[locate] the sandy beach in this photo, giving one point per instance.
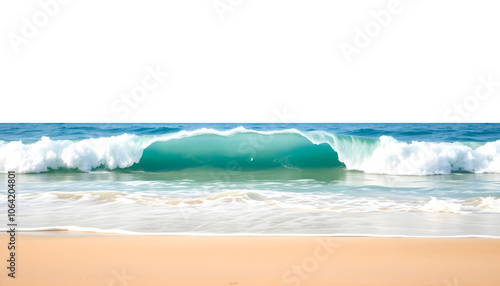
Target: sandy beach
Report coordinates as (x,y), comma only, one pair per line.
(70,258)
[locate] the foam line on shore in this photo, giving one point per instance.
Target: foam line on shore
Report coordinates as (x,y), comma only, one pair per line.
(125,232)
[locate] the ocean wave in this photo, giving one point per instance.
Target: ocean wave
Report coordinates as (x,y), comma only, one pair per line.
(240,149)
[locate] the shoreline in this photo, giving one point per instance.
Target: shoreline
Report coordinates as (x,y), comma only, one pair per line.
(82,258)
(90,231)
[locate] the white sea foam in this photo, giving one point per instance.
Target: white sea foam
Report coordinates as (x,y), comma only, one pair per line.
(111,152)
(490,203)
(327,203)
(435,205)
(424,158)
(257,212)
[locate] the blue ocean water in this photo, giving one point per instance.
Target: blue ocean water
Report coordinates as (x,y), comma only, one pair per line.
(299,179)
(433,132)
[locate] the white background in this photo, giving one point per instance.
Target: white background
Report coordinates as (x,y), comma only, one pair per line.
(261,58)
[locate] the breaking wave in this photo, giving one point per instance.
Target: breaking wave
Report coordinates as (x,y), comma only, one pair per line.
(240,149)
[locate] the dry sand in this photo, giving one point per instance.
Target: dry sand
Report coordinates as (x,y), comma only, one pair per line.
(62,258)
